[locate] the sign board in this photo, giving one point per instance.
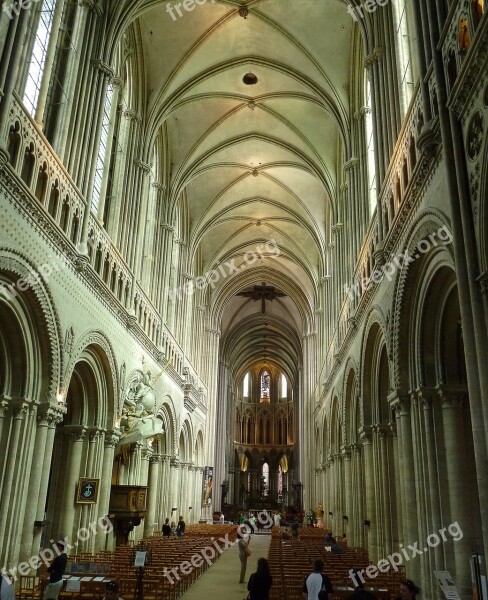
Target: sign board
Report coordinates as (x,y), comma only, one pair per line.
(140,560)
(446,583)
(87,492)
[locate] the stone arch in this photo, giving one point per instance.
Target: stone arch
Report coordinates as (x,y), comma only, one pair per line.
(406,289)
(34,308)
(95,350)
(373,338)
(350,395)
(166,414)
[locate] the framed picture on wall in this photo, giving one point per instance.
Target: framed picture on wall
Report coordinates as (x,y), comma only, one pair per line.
(87,492)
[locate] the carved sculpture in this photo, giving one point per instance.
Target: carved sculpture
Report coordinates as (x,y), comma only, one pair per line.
(138,420)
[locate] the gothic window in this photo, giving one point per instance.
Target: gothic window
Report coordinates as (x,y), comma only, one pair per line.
(280,481)
(265,479)
(407,70)
(38,57)
(265,386)
(245,386)
(284,387)
(368,119)
(102,149)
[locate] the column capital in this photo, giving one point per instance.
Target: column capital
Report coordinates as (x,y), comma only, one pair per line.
(103,68)
(483,281)
(75,432)
(362,112)
(452,396)
(131,115)
(50,414)
(215,332)
(351,164)
(374,57)
(399,403)
(20,407)
(365,435)
(142,166)
(155,459)
(4,406)
(112,438)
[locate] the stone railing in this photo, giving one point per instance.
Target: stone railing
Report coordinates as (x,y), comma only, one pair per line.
(55,194)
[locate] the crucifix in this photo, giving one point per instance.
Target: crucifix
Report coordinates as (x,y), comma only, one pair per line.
(263,293)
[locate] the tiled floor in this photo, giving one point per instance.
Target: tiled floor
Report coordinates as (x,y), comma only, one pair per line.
(220,581)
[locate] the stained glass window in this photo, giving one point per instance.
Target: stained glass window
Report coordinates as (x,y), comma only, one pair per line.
(265,382)
(265,479)
(280,481)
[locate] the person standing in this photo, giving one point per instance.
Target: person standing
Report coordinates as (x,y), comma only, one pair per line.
(56,571)
(317,586)
(166,528)
(221,519)
(180,528)
(260,582)
(252,523)
(7,591)
(276,519)
(244,552)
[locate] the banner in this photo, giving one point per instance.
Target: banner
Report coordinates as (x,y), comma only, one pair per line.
(207,486)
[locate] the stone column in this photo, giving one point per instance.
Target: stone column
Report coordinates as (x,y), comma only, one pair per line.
(19,411)
(348,489)
(153,496)
(372,530)
(111,439)
(47,419)
(165,489)
(401,406)
(175,487)
(76,435)
(452,400)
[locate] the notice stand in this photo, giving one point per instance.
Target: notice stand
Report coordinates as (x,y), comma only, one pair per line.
(141,560)
(446,583)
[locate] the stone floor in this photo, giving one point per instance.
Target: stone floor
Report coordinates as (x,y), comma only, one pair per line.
(220,581)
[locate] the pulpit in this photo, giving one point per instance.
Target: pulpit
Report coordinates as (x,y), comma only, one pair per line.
(128,505)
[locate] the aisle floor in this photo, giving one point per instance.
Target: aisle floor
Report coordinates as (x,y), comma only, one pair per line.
(221,580)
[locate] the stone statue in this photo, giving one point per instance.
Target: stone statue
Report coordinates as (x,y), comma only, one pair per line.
(138,420)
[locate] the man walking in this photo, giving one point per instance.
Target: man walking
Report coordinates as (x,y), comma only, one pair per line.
(317,586)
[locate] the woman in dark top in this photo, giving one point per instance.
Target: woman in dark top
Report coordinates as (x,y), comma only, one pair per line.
(260,582)
(166,528)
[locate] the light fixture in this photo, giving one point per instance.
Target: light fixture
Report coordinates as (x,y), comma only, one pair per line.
(250,78)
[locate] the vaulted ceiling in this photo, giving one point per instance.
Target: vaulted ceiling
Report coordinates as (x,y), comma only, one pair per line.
(253,163)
